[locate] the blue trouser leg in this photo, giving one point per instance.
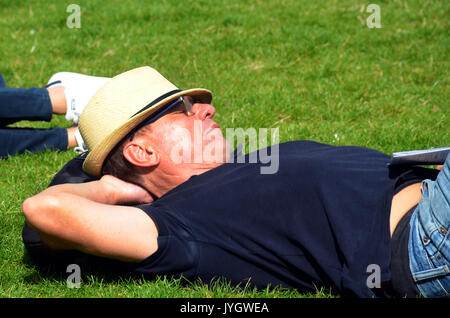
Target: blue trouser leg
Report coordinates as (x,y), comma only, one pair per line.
(18,104)
(429,242)
(2,81)
(19,140)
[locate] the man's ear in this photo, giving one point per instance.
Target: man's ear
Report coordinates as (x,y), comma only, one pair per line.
(141,155)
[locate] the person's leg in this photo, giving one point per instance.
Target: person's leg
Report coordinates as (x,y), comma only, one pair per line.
(32,104)
(2,81)
(429,241)
(57,99)
(18,104)
(19,140)
(39,104)
(35,103)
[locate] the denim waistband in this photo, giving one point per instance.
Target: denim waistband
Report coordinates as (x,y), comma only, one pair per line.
(429,244)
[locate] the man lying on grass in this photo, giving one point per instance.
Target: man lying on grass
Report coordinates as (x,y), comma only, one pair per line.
(337,217)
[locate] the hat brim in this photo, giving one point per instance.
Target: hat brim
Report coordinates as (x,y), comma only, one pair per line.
(94,160)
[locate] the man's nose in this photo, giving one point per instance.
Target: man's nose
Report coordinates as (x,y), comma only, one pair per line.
(203,111)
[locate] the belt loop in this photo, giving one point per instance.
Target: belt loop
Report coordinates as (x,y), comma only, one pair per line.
(431,273)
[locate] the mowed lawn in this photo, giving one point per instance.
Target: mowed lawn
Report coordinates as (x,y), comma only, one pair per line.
(313,69)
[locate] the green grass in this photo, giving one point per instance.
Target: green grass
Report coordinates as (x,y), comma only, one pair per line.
(312,68)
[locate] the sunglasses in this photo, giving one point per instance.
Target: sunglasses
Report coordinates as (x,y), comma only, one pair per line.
(187,101)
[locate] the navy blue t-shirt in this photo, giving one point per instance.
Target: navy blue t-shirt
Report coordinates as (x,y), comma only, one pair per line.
(321,220)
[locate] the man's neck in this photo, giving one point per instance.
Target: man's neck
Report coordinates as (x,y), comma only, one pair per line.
(161,181)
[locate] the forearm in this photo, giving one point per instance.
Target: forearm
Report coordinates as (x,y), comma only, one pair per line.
(65,201)
(107,190)
(96,191)
(55,206)
(87,217)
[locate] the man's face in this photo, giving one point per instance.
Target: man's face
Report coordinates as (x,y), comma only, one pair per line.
(189,136)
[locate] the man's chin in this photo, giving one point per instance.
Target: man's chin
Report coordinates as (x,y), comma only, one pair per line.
(216,152)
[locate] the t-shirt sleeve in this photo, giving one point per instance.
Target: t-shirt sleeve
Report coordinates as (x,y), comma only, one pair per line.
(177,253)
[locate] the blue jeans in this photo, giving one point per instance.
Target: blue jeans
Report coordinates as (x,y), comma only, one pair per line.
(429,242)
(18,104)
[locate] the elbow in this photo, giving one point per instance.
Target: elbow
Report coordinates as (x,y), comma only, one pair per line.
(28,208)
(37,208)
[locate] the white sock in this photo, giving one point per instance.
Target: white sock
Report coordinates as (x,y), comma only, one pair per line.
(80,142)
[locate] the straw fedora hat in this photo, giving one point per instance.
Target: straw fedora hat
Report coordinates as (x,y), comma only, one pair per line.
(120,105)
